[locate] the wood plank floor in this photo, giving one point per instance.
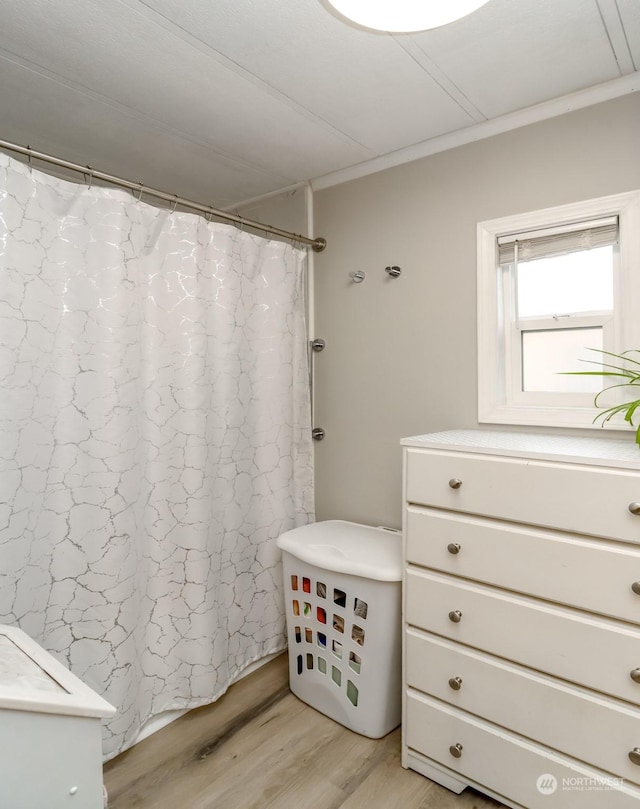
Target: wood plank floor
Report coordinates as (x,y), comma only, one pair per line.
(259,747)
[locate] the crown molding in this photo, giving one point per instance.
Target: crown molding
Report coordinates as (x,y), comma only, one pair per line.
(487,129)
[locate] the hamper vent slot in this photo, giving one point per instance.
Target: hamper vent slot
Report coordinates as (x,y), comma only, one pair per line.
(360,608)
(355,662)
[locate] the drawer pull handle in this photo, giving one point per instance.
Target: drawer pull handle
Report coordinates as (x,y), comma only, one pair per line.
(636,587)
(454,548)
(456,751)
(634,508)
(635,675)
(455,683)
(634,755)
(455,616)
(455,483)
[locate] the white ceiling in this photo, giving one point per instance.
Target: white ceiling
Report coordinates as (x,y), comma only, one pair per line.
(222,101)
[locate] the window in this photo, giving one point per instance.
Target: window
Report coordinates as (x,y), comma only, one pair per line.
(552,285)
(557,299)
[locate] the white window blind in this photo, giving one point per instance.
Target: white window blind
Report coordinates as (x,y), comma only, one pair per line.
(557,241)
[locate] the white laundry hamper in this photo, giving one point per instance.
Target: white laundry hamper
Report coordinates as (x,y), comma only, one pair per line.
(343,606)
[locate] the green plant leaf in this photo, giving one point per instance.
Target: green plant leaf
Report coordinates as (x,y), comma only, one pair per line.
(632,377)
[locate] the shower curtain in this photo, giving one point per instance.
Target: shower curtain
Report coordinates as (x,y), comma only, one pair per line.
(155,439)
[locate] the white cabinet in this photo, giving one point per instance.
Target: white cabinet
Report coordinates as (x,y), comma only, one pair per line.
(50,737)
(521,654)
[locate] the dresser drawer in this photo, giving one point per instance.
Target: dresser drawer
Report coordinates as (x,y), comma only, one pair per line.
(597,730)
(595,652)
(513,766)
(584,573)
(567,497)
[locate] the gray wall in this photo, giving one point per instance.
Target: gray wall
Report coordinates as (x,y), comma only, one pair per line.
(401,354)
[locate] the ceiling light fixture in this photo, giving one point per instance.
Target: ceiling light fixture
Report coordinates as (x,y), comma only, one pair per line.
(404,16)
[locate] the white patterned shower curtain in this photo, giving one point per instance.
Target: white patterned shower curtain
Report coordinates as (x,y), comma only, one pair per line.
(155,439)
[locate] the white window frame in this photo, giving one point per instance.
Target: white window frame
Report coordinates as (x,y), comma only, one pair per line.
(497,402)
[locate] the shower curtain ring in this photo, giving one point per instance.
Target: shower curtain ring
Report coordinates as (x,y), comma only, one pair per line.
(175,203)
(140,191)
(29,158)
(90,178)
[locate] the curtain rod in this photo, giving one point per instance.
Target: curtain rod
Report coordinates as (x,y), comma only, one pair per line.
(317,244)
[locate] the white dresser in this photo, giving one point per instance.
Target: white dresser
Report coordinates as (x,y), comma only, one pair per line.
(50,738)
(522,617)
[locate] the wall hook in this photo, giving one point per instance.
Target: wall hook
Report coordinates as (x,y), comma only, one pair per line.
(358,277)
(393,272)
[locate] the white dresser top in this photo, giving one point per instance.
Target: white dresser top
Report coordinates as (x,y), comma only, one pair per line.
(22,675)
(567,449)
(32,680)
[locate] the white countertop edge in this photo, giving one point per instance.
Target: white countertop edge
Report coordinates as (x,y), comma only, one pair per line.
(624,454)
(64,705)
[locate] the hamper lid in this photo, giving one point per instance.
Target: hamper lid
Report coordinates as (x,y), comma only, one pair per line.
(347,547)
